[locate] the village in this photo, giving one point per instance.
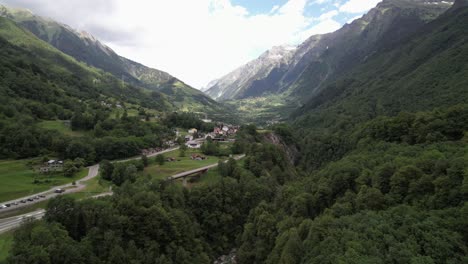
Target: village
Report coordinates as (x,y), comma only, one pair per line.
(221,133)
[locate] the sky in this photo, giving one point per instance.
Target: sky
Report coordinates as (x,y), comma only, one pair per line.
(198,41)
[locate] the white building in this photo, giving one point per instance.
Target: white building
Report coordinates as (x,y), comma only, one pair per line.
(193,144)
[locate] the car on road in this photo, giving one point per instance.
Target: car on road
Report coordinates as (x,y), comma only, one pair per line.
(23,201)
(59,191)
(3,206)
(30,200)
(42,196)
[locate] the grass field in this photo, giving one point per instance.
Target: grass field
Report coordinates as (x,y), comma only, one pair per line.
(17,179)
(94,187)
(6,242)
(185,164)
(61,127)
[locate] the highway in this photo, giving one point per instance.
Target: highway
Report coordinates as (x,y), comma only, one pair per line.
(10,223)
(49,194)
(93,171)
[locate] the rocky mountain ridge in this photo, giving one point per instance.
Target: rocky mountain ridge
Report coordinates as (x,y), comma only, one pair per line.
(323,57)
(87,48)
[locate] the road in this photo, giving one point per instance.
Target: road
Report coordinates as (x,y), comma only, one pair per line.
(10,223)
(49,194)
(190,172)
(151,155)
(70,188)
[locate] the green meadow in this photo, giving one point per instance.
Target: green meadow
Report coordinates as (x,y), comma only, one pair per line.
(94,187)
(61,127)
(17,179)
(182,164)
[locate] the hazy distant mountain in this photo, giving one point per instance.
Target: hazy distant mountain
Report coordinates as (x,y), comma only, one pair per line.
(245,80)
(86,48)
(209,85)
(300,72)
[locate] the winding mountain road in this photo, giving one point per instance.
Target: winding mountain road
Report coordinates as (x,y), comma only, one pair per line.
(79,185)
(11,223)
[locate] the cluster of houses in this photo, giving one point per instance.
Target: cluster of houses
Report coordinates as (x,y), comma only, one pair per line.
(223,131)
(189,139)
(226,130)
(51,166)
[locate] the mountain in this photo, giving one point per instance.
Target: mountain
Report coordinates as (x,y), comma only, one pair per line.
(246,80)
(208,86)
(323,58)
(373,170)
(425,71)
(45,94)
(382,27)
(24,56)
(86,48)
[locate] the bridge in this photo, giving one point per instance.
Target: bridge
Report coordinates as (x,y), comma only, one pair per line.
(191,173)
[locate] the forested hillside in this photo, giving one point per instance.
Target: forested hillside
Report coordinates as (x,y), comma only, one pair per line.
(271,90)
(87,49)
(426,71)
(40,83)
(374,169)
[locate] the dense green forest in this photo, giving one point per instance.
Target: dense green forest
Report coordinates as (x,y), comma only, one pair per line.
(418,74)
(372,170)
(149,221)
(397,196)
(39,83)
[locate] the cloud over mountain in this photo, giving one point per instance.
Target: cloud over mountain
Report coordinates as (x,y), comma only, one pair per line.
(177,36)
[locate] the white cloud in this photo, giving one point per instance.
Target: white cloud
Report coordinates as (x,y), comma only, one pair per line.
(275,8)
(196,41)
(320,2)
(358,6)
(328,15)
(203,44)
